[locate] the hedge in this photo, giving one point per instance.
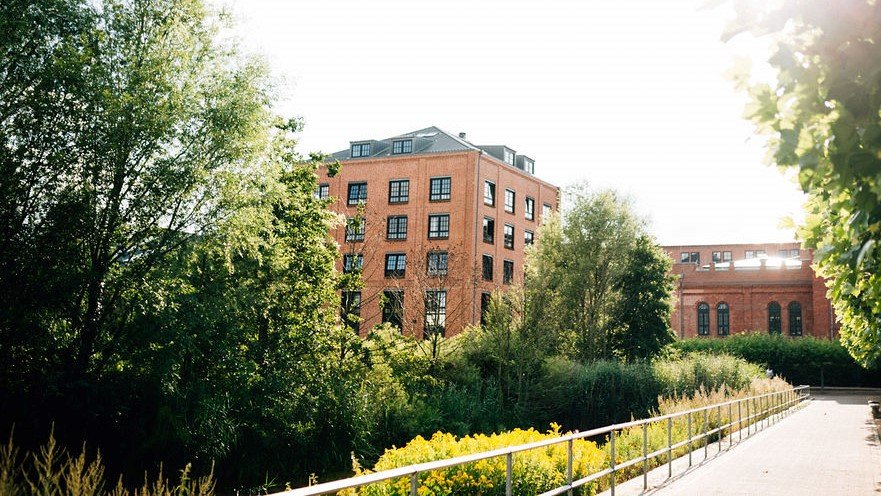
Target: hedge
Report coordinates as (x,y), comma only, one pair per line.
(802,360)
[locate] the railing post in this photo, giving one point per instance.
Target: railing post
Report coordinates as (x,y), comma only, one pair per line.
(569,466)
(739,422)
(509,469)
(706,437)
(730,427)
(612,464)
(645,456)
(669,447)
(719,428)
(689,439)
(414,483)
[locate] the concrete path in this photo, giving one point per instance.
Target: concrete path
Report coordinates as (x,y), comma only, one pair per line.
(828,447)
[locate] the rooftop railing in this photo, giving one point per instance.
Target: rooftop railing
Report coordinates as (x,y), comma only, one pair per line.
(748,415)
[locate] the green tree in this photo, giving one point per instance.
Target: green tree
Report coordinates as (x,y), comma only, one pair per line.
(823,118)
(643,312)
(574,272)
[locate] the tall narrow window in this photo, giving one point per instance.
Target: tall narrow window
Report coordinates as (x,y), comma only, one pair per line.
(726,256)
(393,307)
(774,326)
(351,310)
(487,268)
(489,230)
(399,191)
(439,226)
(717,256)
(484,306)
(703,319)
(439,189)
(510,197)
(508,272)
(435,312)
(395,265)
(437,263)
(723,319)
(489,193)
(402,146)
(528,237)
(546,210)
(396,227)
(355,229)
(795,328)
(509,236)
(357,193)
(530,208)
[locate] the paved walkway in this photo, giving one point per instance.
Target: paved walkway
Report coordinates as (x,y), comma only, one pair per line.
(828,447)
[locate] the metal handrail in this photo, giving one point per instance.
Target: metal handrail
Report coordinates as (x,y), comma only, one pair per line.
(772,404)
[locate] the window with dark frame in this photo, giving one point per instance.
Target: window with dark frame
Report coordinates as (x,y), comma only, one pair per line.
(690,257)
(350,310)
(435,312)
(437,263)
(399,191)
(508,271)
(528,237)
(723,319)
(360,150)
(717,257)
(774,320)
(402,146)
(489,193)
(487,272)
(438,226)
(352,262)
(395,265)
(509,236)
(355,229)
(393,308)
(703,319)
(357,193)
(484,306)
(396,227)
(439,188)
(489,230)
(530,208)
(726,256)
(510,198)
(795,327)
(323,191)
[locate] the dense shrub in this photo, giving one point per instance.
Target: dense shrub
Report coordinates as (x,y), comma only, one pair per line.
(685,376)
(534,471)
(804,360)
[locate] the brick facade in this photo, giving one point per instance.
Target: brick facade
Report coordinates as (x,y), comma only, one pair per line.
(754,277)
(463,283)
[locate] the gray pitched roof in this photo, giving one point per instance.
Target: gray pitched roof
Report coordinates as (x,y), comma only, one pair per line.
(428,140)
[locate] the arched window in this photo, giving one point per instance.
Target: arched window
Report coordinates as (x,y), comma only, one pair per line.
(722,319)
(703,319)
(795,319)
(774,321)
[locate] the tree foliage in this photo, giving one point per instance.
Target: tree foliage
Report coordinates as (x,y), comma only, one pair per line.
(823,118)
(583,282)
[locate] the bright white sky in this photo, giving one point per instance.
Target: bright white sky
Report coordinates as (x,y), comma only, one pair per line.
(621,93)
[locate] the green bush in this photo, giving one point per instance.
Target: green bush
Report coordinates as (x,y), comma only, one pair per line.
(804,360)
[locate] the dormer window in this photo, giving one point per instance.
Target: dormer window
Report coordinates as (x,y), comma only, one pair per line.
(529,166)
(509,157)
(360,150)
(402,146)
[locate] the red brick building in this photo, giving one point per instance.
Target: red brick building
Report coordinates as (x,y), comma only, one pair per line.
(445,222)
(729,289)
